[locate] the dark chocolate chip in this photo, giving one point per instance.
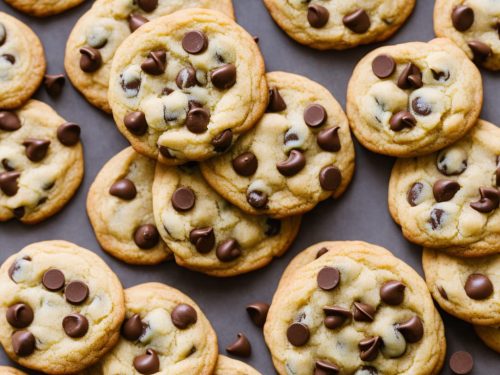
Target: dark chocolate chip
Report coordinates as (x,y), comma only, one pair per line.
(461,363)
(19,315)
(412,330)
(444,168)
(490,199)
(410,77)
(10,58)
(76,292)
(132,328)
(147,5)
(478,286)
(146,236)
(383,66)
(241,347)
(8,183)
(421,107)
(245,164)
(258,313)
(442,292)
(3,34)
(325,368)
(54,84)
(363,312)
(273,227)
(315,115)
(369,348)
(224,77)
(257,199)
(294,164)
(124,189)
(75,325)
(436,217)
(9,121)
(276,102)
(328,278)
(480,50)
(183,199)
(197,120)
(90,59)
(330,178)
(136,123)
(15,266)
(7,164)
(402,120)
(298,334)
(357,21)
(68,133)
(222,141)
(321,252)
(203,239)
(19,212)
(440,76)
(36,149)
(393,292)
(155,63)
(228,250)
(135,21)
(328,139)
(23,343)
(317,16)
(165,152)
(53,280)
(445,190)
(335,316)
(183,316)
(186,78)
(194,42)
(148,363)
(462,17)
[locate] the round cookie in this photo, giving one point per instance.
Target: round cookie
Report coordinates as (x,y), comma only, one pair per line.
(474,26)
(339,24)
(43,8)
(165,332)
(353,308)
(41,162)
(104,27)
(229,366)
(449,199)
(61,307)
(10,371)
(490,336)
(466,288)
(20,51)
(120,209)
(299,153)
(414,98)
(208,234)
(187,84)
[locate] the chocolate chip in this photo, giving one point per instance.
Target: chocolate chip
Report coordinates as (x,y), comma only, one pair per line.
(147,5)
(53,280)
(23,343)
(478,286)
(224,77)
(294,164)
(8,183)
(90,59)
(321,252)
(328,139)
(124,189)
(410,77)
(368,348)
(167,91)
(412,330)
(19,315)
(9,121)
(146,236)
(442,292)
(421,107)
(436,217)
(136,123)
(328,278)
(317,16)
(363,312)
(357,21)
(442,164)
(135,21)
(194,42)
(54,84)
(3,34)
(393,292)
(76,292)
(148,363)
(440,76)
(330,178)
(402,120)
(15,267)
(257,199)
(203,239)
(222,141)
(383,66)
(490,199)
(461,363)
(19,212)
(290,137)
(68,134)
(132,328)
(245,164)
(480,50)
(36,149)
(276,102)
(315,115)
(298,334)
(241,347)
(462,17)
(228,250)
(131,84)
(273,227)
(7,164)
(183,199)
(335,316)
(183,316)
(155,63)
(186,78)
(75,325)
(197,120)
(325,368)
(258,313)
(445,190)
(10,58)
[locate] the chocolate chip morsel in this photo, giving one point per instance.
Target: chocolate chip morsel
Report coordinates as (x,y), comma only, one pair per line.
(442,292)
(480,50)
(203,239)
(75,325)
(257,199)
(461,363)
(90,59)
(298,334)
(328,278)
(136,123)
(321,252)
(478,286)
(183,199)
(148,363)
(19,315)
(54,84)
(325,368)
(317,16)
(462,17)
(362,312)
(436,218)
(329,140)
(132,328)
(245,164)
(15,266)
(410,77)
(258,313)
(53,280)
(147,5)
(276,102)
(155,63)
(135,21)
(224,77)
(383,66)
(357,21)
(36,149)
(23,343)
(335,316)
(9,121)
(315,115)
(8,183)
(228,250)
(194,42)
(412,330)
(186,78)
(124,189)
(68,134)
(273,227)
(490,199)
(445,190)
(451,162)
(402,120)
(146,236)
(421,107)
(330,178)
(183,316)
(294,164)
(369,348)
(392,292)
(76,292)
(3,34)
(197,120)
(241,347)
(222,141)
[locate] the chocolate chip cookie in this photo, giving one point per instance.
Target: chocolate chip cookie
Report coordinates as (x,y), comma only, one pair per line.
(100,31)
(353,308)
(41,162)
(414,98)
(43,8)
(229,366)
(450,199)
(466,288)
(164,332)
(474,25)
(120,208)
(490,336)
(20,52)
(61,307)
(209,234)
(299,153)
(339,24)
(10,371)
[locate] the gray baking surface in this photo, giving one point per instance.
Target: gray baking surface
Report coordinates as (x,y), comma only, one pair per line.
(360,214)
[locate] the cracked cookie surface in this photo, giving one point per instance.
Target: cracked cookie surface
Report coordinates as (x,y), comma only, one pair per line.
(414,98)
(490,336)
(353,308)
(43,8)
(299,153)
(41,162)
(209,234)
(105,26)
(120,208)
(338,24)
(229,366)
(449,199)
(61,307)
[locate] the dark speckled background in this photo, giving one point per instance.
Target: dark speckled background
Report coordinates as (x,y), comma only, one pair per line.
(361,214)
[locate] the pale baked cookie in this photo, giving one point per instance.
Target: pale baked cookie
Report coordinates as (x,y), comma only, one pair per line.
(164,333)
(41,162)
(22,62)
(449,199)
(43,8)
(299,154)
(490,336)
(120,209)
(474,25)
(353,308)
(207,233)
(414,98)
(10,371)
(466,288)
(229,366)
(61,307)
(339,24)
(100,31)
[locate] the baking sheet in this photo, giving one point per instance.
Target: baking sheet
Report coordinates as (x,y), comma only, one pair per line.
(360,214)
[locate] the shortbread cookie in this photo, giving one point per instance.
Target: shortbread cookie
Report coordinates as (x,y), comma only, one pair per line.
(41,162)
(299,154)
(228,366)
(43,8)
(100,31)
(353,308)
(414,98)
(466,288)
(10,371)
(449,199)
(207,233)
(339,24)
(120,208)
(164,333)
(61,307)
(490,336)
(474,26)
(22,62)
